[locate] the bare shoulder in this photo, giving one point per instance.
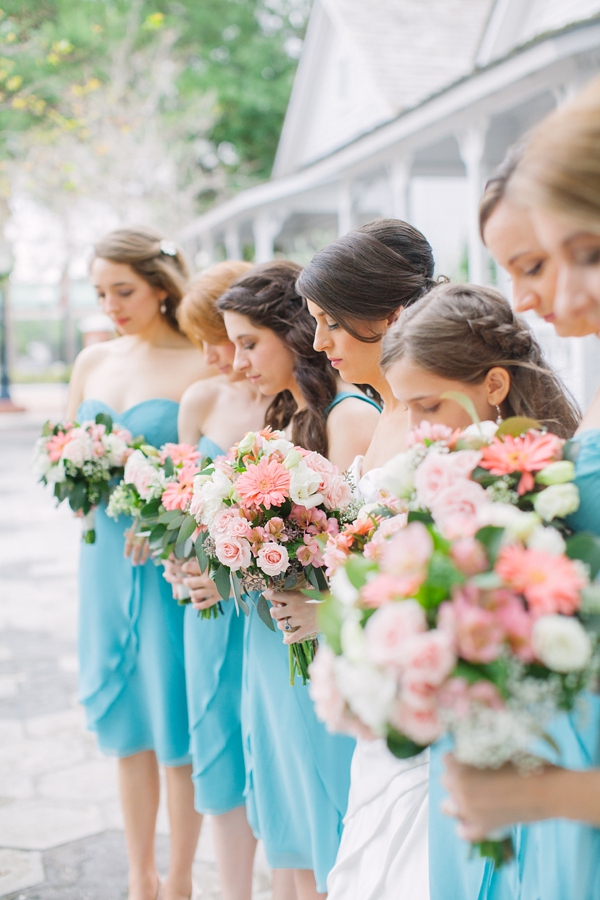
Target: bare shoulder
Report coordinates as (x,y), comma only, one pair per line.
(195,406)
(353,411)
(350,428)
(591,418)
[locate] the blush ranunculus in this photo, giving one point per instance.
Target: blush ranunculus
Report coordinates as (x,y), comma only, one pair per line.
(479,633)
(385,588)
(442,470)
(429,657)
(420,725)
(408,551)
(388,630)
(469,556)
(456,507)
(273,558)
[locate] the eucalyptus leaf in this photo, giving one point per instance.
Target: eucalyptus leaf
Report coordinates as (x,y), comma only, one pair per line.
(263,610)
(517,425)
(175,523)
(169,516)
(169,467)
(201,556)
(222,581)
(464,401)
(187,529)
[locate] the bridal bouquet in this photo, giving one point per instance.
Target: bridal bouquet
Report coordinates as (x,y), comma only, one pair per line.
(156,491)
(467,613)
(266,510)
(81,461)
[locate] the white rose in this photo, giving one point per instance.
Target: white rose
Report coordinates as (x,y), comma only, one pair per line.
(279,445)
(247,443)
(561,643)
(558,500)
(482,431)
(556,473)
(519,525)
(547,540)
(366,510)
(304,486)
(212,494)
(79,448)
(369,692)
(397,476)
(293,459)
(342,588)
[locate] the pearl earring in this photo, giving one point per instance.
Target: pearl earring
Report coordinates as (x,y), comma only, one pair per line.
(163,308)
(499,419)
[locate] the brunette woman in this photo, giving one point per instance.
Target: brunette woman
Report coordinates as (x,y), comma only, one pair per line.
(298,774)
(132,678)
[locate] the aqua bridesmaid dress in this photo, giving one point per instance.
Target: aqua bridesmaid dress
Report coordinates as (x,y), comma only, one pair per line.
(213,671)
(554,859)
(132,675)
(297,773)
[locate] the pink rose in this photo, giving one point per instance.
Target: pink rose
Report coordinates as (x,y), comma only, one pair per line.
(388,630)
(273,558)
(384,588)
(408,552)
(518,625)
(480,635)
(455,509)
(429,657)
(469,556)
(442,470)
(233,552)
(337,491)
(388,527)
(420,725)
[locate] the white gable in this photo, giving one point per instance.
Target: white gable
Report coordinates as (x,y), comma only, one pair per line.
(335,97)
(516,22)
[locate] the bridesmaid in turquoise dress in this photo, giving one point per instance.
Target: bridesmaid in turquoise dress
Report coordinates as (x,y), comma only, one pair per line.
(132,678)
(298,774)
(220,409)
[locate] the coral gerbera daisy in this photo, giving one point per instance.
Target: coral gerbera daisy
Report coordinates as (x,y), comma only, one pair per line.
(265,484)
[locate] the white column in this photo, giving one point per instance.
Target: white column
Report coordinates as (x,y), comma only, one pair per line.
(265,228)
(399,177)
(344,206)
(206,254)
(233,247)
(471,145)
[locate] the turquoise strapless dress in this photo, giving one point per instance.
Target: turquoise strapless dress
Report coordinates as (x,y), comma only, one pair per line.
(132,675)
(298,775)
(555,859)
(213,671)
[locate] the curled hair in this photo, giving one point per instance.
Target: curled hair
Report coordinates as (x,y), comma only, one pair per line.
(368,275)
(496,186)
(267,296)
(560,170)
(157,261)
(461,331)
(197,313)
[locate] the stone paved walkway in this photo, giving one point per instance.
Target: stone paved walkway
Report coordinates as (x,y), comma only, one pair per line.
(60,825)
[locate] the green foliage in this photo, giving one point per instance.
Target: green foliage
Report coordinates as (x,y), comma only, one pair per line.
(401,746)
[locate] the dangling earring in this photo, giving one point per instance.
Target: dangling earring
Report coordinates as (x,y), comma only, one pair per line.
(163,308)
(499,419)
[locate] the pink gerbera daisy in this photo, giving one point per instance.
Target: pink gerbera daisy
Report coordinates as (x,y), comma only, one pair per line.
(179,453)
(550,584)
(56,444)
(265,485)
(530,453)
(178,494)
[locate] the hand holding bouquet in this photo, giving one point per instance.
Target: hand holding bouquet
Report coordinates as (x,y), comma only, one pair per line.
(266,510)
(470,619)
(81,461)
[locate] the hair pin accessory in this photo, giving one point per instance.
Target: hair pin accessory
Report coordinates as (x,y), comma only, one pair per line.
(168,248)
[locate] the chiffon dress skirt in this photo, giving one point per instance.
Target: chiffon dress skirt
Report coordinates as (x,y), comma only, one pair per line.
(132,675)
(298,775)
(554,859)
(213,671)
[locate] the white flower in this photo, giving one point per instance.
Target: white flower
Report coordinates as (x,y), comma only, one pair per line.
(397,476)
(304,486)
(547,540)
(519,525)
(279,445)
(556,473)
(144,476)
(561,643)
(56,474)
(482,431)
(212,494)
(558,500)
(293,459)
(116,449)
(247,443)
(342,588)
(366,510)
(369,692)
(40,463)
(353,639)
(79,448)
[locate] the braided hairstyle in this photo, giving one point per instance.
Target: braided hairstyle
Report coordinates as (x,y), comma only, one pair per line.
(369,274)
(267,296)
(159,262)
(461,331)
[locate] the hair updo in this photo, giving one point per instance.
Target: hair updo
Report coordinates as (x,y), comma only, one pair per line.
(197,314)
(369,274)
(267,296)
(461,331)
(157,261)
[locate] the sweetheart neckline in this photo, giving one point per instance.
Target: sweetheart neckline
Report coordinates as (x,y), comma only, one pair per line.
(129,408)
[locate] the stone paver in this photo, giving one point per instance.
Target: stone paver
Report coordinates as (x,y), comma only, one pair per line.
(61,832)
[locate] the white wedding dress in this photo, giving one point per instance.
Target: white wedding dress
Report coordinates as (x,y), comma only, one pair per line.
(383,854)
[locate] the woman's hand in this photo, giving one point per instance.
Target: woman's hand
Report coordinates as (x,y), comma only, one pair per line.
(136,547)
(293,609)
(485,800)
(203,590)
